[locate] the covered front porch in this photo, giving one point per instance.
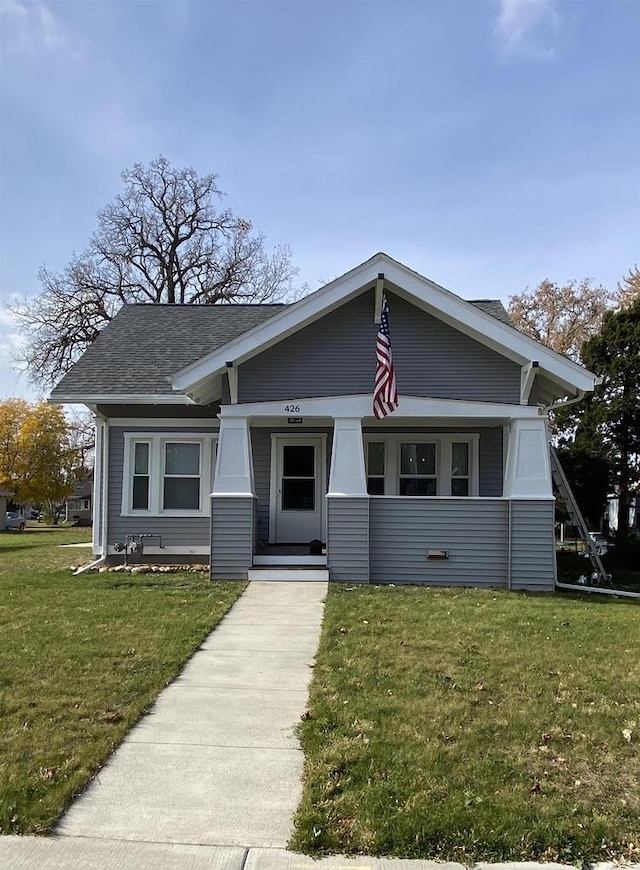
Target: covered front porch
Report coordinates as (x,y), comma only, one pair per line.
(442,492)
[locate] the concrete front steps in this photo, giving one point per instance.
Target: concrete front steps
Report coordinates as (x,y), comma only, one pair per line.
(289,573)
(294,567)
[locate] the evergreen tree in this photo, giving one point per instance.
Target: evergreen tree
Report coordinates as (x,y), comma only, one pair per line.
(610,424)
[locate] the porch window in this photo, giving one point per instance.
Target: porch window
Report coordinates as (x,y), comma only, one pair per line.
(424,465)
(375,467)
(181,485)
(460,468)
(418,469)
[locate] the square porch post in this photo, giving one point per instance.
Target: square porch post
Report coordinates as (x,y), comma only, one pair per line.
(233,502)
(348,504)
(528,485)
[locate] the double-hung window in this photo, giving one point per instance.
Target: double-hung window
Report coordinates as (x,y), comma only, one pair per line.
(140,476)
(167,474)
(181,482)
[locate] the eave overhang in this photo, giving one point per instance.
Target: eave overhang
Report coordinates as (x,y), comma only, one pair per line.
(121,399)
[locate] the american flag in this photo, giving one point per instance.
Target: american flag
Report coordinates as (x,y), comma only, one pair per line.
(385,392)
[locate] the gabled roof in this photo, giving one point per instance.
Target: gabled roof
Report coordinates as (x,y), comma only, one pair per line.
(166,353)
(472,320)
(144,345)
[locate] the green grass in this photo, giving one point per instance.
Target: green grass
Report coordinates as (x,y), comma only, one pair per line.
(81,659)
(473,725)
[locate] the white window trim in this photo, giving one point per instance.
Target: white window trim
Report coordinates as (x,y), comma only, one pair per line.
(157,441)
(443,443)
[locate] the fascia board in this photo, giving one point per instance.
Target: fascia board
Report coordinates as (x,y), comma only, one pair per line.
(121,399)
(437,300)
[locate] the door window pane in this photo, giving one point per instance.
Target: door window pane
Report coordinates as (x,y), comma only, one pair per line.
(298,460)
(298,495)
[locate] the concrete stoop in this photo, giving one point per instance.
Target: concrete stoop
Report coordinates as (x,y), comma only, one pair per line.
(289,574)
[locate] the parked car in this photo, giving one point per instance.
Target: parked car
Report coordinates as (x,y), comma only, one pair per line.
(15,521)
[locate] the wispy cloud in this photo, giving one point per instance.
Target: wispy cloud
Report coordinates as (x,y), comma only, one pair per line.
(28,27)
(525,25)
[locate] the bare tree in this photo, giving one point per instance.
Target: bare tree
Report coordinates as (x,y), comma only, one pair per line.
(563,318)
(162,240)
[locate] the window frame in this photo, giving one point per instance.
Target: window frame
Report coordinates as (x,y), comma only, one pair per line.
(443,442)
(157,460)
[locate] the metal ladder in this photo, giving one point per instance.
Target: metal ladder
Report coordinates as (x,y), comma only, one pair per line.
(562,485)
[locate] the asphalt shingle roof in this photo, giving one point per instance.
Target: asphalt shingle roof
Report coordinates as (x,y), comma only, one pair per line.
(144,345)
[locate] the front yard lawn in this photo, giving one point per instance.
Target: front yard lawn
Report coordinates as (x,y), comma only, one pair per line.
(473,725)
(81,658)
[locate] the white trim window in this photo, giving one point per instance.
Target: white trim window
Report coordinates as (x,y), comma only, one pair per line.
(167,474)
(422,465)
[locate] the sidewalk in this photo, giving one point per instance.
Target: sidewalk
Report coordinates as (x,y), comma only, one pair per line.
(216,761)
(68,853)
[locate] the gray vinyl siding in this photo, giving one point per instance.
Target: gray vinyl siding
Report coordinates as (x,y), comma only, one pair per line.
(232,533)
(473,532)
(336,356)
(533,557)
(348,539)
(175,531)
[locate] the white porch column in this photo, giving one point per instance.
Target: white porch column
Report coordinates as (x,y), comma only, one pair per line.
(347,475)
(528,468)
(234,463)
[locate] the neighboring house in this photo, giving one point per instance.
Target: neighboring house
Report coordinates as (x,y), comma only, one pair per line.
(232,431)
(77,508)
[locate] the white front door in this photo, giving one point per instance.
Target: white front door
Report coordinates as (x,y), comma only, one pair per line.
(298,488)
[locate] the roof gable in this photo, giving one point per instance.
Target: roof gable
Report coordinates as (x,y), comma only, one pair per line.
(464,316)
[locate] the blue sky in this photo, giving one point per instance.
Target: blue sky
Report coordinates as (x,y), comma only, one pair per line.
(487,144)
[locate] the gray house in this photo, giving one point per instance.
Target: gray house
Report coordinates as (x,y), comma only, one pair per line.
(241,434)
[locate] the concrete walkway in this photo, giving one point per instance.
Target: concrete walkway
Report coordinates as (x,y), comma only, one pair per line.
(67,853)
(216,761)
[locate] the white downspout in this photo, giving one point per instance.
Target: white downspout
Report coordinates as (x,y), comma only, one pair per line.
(100,492)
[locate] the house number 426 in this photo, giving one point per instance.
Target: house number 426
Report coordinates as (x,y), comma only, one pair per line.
(292,409)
